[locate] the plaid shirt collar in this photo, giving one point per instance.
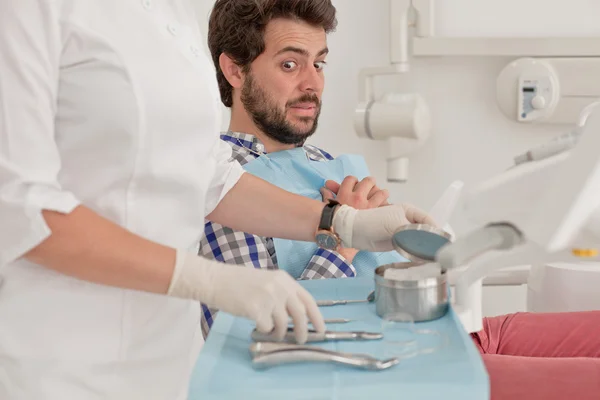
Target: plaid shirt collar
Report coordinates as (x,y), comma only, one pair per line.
(245,140)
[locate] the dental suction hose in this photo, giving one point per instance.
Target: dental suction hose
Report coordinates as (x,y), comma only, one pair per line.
(500,236)
(467,293)
(561,143)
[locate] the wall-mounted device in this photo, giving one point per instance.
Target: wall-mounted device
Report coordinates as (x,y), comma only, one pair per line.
(548,90)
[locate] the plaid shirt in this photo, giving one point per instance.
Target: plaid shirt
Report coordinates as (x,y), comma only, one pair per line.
(234,247)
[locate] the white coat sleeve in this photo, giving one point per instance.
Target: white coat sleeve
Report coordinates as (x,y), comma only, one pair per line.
(227,173)
(30,47)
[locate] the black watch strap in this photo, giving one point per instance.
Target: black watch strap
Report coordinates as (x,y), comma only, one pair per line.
(327,215)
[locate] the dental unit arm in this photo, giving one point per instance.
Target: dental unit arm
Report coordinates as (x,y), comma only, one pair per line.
(538,211)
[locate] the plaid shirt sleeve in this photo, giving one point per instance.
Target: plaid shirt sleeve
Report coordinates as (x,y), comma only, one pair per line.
(326,264)
(233,247)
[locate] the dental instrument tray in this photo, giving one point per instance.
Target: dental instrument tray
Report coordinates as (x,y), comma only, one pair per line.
(227,370)
(314,336)
(265,355)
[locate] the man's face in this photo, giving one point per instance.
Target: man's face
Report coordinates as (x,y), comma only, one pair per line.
(282,91)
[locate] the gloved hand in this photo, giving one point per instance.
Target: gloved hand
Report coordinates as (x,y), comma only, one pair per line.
(360,195)
(373,229)
(265,296)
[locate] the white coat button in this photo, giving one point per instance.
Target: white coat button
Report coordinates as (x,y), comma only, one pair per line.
(173,29)
(195,50)
(147,4)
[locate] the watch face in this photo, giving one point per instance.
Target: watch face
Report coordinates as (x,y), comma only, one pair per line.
(326,241)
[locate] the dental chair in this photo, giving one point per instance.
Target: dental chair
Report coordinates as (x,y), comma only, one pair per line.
(564,287)
(545,213)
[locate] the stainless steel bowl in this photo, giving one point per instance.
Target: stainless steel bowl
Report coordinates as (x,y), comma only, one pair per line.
(424,299)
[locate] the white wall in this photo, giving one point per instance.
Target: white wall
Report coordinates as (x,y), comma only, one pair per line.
(471,140)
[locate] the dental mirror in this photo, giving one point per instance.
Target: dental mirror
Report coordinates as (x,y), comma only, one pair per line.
(419,242)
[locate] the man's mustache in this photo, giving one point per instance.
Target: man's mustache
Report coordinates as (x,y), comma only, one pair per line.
(305,99)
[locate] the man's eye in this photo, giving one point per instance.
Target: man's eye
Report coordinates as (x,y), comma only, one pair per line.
(320,65)
(289,65)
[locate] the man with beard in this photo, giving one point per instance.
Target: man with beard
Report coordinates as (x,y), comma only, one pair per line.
(269,56)
(270,74)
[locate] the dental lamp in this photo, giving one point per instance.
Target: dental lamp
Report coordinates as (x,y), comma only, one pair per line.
(541,210)
(401,119)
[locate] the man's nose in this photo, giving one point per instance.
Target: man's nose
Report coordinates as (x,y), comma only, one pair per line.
(312,81)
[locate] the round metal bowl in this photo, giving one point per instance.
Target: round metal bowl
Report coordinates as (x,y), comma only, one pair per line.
(424,300)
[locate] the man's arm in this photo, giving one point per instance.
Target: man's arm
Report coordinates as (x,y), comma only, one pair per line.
(274,212)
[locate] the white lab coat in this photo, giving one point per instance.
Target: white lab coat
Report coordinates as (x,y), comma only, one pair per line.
(112,104)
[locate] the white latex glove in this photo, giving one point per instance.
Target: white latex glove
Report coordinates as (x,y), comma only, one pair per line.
(373,229)
(265,296)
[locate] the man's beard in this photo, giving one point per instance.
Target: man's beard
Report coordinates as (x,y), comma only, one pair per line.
(270,120)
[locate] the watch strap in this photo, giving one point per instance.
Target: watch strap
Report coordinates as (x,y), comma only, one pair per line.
(326,222)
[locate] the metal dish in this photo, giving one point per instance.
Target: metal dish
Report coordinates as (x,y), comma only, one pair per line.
(424,299)
(420,243)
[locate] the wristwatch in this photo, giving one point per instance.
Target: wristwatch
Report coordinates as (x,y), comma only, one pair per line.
(326,238)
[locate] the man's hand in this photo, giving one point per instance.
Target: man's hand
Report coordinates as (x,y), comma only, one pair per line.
(360,195)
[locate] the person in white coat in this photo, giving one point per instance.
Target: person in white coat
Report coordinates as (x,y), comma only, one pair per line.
(110,163)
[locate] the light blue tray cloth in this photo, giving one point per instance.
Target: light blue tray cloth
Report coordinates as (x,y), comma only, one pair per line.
(224,371)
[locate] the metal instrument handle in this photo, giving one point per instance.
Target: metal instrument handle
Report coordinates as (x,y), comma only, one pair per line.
(328,303)
(277,355)
(314,336)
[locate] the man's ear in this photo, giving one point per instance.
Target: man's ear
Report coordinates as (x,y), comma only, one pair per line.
(232,71)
